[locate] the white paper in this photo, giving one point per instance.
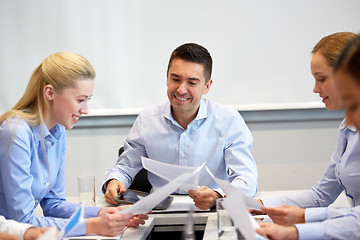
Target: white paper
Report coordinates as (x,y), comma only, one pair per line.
(147,203)
(224,185)
(170,171)
(76,218)
(228,189)
(50,234)
(181,203)
(235,205)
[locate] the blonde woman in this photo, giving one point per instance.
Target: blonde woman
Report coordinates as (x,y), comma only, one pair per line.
(33,145)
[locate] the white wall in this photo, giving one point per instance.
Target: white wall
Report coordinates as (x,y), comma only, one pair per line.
(256,45)
(289,154)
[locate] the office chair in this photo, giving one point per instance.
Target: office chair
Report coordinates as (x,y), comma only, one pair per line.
(140,182)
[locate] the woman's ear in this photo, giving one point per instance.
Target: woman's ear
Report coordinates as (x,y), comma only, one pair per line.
(49,92)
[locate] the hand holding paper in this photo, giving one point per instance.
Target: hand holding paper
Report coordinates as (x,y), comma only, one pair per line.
(50,234)
(235,205)
(75,220)
(147,203)
(228,189)
(170,171)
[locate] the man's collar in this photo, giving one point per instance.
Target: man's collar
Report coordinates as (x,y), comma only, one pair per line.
(202,112)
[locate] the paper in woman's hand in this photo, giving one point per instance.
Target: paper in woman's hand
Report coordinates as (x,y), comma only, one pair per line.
(50,234)
(236,207)
(74,221)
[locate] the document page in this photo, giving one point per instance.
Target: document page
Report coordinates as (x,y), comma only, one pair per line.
(170,171)
(147,203)
(251,203)
(235,205)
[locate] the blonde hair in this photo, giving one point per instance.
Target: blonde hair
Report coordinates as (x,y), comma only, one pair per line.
(60,70)
(330,46)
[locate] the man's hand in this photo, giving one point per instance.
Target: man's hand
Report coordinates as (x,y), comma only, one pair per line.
(285,215)
(277,232)
(204,197)
(113,188)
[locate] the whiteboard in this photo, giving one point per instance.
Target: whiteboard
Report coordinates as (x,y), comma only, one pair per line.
(261,49)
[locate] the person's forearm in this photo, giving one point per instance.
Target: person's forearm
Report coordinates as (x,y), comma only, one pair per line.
(293,233)
(92,225)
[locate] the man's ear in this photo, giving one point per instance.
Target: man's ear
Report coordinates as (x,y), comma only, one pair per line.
(207,86)
(49,92)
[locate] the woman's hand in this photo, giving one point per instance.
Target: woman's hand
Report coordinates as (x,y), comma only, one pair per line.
(277,232)
(137,220)
(134,221)
(107,224)
(285,215)
(34,233)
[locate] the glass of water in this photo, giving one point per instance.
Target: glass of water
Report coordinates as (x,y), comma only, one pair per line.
(86,186)
(225,226)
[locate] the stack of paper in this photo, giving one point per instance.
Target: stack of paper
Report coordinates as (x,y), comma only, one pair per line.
(236,202)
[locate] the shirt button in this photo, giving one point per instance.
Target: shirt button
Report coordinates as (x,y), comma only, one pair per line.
(47,184)
(36,201)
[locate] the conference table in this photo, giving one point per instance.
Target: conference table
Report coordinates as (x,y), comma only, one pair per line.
(177,215)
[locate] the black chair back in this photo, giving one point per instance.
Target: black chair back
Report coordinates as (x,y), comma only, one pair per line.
(141,182)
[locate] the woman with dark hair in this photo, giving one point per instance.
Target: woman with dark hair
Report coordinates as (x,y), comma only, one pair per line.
(305,214)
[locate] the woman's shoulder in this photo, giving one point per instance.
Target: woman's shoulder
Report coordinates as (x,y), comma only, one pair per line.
(15,126)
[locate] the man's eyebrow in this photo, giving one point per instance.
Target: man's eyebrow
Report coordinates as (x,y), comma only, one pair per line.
(174,75)
(85,96)
(191,78)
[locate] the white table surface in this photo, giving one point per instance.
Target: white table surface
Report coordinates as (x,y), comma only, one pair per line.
(139,233)
(206,218)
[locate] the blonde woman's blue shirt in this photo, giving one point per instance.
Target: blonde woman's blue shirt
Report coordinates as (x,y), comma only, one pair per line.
(27,181)
(218,136)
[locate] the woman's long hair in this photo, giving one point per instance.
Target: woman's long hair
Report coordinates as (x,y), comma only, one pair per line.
(61,70)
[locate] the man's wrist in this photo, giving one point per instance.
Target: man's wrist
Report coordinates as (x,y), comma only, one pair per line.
(108,181)
(218,194)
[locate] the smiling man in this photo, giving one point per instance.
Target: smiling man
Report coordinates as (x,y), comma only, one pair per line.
(188,130)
